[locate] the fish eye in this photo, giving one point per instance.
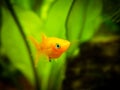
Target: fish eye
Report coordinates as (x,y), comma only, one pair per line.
(57,45)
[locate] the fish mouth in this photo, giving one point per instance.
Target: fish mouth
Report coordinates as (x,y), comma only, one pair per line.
(66,46)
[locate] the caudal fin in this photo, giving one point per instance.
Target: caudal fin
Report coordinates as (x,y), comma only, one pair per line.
(36,44)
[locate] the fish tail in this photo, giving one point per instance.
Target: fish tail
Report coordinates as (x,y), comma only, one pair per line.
(36,59)
(37,45)
(34,42)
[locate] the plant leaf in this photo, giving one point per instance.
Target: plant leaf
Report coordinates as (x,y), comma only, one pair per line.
(83,21)
(12,41)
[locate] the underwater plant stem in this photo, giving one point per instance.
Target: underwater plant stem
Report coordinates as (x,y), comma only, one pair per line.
(85,2)
(10,8)
(84,15)
(68,15)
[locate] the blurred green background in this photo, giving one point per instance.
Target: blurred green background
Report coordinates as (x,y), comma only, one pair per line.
(92,61)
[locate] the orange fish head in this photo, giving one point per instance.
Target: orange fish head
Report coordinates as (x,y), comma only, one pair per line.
(59,46)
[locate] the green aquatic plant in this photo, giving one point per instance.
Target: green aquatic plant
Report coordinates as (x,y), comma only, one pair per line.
(74,20)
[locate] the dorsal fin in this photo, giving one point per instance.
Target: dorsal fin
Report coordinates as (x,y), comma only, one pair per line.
(44,37)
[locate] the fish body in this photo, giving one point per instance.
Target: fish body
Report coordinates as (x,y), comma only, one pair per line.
(51,47)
